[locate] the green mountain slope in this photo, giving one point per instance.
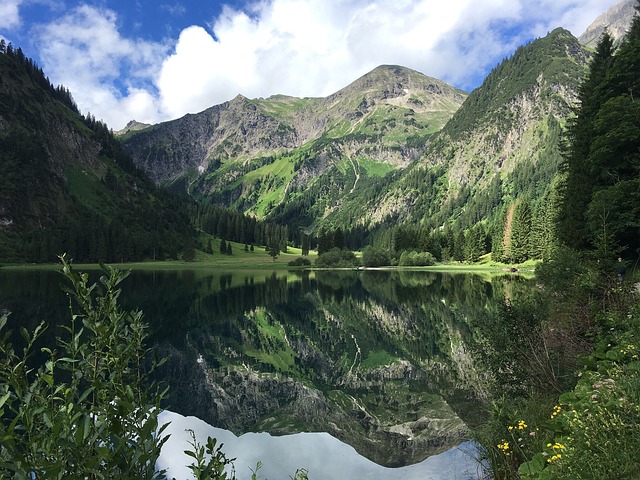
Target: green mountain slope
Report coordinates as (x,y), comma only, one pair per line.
(393,147)
(254,155)
(66,185)
(503,143)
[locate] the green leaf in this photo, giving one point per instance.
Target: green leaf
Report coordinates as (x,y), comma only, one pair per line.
(568,398)
(25,334)
(613,355)
(4,399)
(532,468)
(48,378)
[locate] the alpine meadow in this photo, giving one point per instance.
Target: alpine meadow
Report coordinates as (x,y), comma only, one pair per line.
(440,283)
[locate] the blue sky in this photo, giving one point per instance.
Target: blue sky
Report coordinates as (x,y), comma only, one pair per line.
(158,60)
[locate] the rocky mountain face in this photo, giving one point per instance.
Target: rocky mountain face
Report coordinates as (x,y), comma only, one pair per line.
(616,21)
(132,126)
(249,153)
(511,123)
(307,162)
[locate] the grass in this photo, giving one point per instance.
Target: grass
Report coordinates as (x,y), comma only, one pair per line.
(259,259)
(375,168)
(380,358)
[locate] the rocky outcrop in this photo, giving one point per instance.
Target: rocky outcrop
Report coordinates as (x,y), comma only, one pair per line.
(616,21)
(235,129)
(365,118)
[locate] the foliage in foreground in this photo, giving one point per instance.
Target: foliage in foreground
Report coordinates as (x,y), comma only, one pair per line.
(88,409)
(588,433)
(85,411)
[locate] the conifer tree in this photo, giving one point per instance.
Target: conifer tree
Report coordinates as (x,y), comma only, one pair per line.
(521,232)
(578,186)
(602,190)
(305,243)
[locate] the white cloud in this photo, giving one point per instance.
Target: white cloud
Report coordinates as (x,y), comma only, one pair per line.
(295,47)
(108,75)
(10,14)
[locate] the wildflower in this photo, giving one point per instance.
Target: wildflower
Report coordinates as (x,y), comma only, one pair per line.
(556,410)
(504,447)
(557,456)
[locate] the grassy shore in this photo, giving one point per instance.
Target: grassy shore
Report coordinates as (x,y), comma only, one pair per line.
(259,259)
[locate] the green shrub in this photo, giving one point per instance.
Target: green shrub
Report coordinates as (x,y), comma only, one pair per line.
(416,259)
(337,258)
(86,412)
(300,262)
(375,257)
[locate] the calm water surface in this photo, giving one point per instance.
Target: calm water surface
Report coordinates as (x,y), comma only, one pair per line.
(380,361)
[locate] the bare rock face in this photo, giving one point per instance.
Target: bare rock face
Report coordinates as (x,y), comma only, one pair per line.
(616,21)
(230,130)
(381,108)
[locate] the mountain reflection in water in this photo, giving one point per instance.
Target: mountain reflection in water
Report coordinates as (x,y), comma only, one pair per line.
(378,360)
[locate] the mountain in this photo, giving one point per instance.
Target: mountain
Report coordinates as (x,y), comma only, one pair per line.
(132,126)
(616,21)
(394,146)
(66,185)
(249,154)
(501,144)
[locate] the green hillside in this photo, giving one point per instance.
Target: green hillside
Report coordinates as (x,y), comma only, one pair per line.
(66,185)
(257,156)
(500,148)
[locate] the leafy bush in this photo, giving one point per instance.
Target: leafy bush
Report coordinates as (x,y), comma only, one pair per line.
(416,259)
(86,412)
(375,257)
(299,262)
(337,258)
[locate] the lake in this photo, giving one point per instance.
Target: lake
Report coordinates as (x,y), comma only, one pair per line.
(377,364)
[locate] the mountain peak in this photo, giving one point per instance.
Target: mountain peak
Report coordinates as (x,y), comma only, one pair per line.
(616,20)
(396,83)
(132,126)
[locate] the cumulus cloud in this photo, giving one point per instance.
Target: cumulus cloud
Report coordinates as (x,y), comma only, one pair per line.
(294,47)
(10,14)
(110,76)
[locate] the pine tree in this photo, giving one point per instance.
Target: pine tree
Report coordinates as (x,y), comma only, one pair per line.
(602,189)
(578,187)
(521,232)
(304,243)
(273,249)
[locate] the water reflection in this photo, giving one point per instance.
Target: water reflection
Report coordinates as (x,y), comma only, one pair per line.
(379,360)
